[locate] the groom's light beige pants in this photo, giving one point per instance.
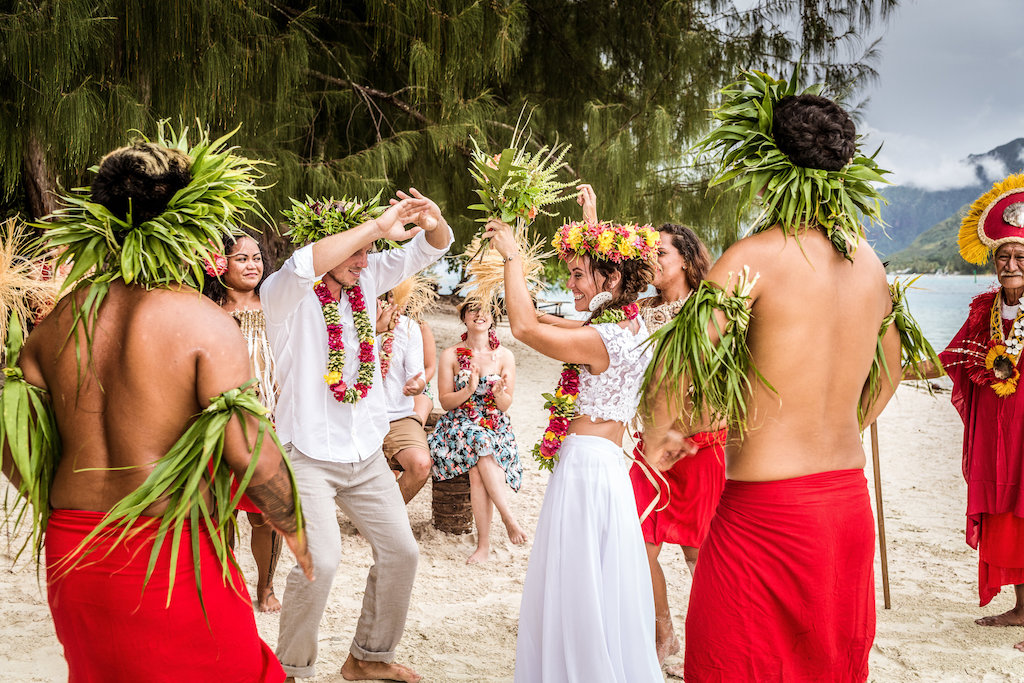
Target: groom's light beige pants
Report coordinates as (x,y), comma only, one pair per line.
(369,496)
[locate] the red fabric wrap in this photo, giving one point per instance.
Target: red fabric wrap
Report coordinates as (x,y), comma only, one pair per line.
(113,632)
(784,587)
(694,486)
(993,447)
(1001,554)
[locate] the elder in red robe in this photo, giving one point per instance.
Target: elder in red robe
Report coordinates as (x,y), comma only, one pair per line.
(982,361)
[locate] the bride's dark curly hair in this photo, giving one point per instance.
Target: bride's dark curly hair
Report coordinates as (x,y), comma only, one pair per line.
(636,275)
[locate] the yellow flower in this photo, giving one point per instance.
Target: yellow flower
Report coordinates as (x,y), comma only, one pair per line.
(604,242)
(332,377)
(549,434)
(575,234)
(627,248)
(652,238)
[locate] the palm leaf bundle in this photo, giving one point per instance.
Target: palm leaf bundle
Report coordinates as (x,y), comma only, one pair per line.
(515,184)
(27,290)
(194,465)
(701,379)
(416,295)
(793,196)
(914,348)
(486,275)
(28,431)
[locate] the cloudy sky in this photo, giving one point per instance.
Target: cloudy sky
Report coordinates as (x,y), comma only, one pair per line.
(952,84)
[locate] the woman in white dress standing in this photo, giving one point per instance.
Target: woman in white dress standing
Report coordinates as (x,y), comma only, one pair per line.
(587,611)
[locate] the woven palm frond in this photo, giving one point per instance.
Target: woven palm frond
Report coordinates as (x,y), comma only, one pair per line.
(416,295)
(487,271)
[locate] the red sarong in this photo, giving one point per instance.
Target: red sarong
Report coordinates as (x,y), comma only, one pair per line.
(1000,554)
(694,487)
(784,587)
(113,632)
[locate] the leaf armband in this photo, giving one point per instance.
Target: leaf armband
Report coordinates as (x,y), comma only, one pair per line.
(697,376)
(193,466)
(28,431)
(915,350)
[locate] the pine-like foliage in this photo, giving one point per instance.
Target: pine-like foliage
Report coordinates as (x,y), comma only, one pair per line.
(348,97)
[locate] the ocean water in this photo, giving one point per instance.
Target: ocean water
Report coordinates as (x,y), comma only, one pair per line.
(939,302)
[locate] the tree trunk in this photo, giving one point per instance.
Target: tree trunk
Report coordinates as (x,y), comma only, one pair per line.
(39,185)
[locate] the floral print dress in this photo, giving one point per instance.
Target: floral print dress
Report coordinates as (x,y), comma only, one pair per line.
(471,430)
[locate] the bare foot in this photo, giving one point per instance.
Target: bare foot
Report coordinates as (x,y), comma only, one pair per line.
(1012,617)
(675,671)
(1019,646)
(515,532)
(359,670)
(268,602)
(667,648)
(481,555)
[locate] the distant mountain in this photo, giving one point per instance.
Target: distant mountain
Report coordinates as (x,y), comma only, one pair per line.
(912,211)
(934,250)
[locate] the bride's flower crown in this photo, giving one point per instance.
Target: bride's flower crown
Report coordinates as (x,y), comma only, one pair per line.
(608,241)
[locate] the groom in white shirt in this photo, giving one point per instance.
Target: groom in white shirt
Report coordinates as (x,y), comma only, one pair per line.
(334,446)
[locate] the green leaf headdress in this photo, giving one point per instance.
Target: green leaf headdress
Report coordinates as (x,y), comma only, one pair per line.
(315,219)
(168,249)
(793,195)
(165,250)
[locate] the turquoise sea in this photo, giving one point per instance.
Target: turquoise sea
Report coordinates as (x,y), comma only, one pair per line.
(939,302)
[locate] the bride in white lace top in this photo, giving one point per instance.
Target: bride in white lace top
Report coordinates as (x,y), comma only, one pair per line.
(587,611)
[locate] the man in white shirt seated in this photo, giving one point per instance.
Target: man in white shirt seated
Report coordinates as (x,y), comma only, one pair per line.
(400,344)
(332,418)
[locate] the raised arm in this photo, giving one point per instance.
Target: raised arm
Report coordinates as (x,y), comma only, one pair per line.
(582,345)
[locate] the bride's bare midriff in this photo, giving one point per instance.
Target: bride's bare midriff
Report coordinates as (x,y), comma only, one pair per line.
(606,429)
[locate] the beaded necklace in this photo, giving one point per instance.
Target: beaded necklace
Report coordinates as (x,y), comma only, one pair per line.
(562,404)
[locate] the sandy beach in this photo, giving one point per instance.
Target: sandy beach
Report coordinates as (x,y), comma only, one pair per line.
(462,623)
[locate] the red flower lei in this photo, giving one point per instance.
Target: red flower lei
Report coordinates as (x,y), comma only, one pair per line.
(562,404)
(486,414)
(387,347)
(336,347)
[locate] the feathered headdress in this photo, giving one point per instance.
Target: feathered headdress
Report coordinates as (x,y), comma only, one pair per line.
(995,218)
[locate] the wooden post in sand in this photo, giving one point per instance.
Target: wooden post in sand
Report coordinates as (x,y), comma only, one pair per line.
(881,515)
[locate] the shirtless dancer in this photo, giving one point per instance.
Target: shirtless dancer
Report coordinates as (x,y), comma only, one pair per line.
(784,589)
(155,358)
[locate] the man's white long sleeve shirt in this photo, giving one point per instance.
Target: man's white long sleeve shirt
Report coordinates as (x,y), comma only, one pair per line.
(308,415)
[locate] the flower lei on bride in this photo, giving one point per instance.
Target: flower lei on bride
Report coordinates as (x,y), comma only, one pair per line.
(562,404)
(336,347)
(486,413)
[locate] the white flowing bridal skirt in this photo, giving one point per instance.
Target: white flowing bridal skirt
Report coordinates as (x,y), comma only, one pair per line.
(587,614)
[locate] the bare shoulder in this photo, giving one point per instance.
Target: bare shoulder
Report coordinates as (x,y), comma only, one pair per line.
(506,355)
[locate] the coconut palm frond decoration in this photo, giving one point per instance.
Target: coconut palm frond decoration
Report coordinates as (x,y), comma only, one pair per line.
(28,288)
(416,295)
(487,272)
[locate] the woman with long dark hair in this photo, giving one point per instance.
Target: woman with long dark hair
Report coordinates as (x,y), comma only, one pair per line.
(234,283)
(676,506)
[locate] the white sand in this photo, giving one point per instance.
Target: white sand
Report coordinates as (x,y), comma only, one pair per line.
(462,622)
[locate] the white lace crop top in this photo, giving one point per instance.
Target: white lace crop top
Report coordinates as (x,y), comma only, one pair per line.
(615,393)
